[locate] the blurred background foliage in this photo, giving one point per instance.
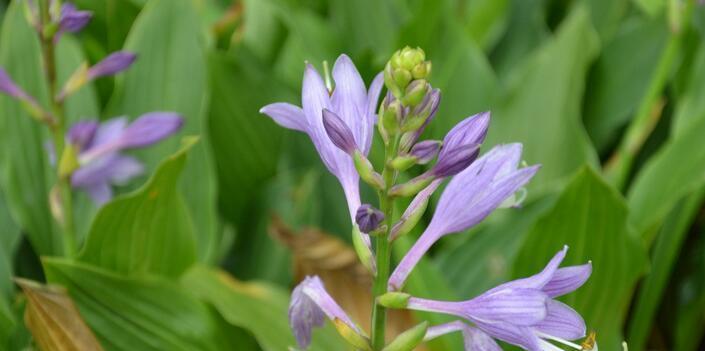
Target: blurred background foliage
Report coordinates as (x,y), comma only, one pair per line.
(608,95)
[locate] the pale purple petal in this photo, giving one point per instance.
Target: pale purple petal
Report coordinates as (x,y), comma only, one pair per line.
(310,302)
(350,100)
(124,168)
(314,99)
(150,128)
(471,130)
(82,133)
(456,160)
(420,200)
(539,280)
(100,193)
(109,131)
(425,151)
(72,20)
(8,86)
(513,334)
(473,339)
(372,99)
(286,115)
(96,171)
(562,321)
(338,132)
(112,64)
(568,279)
(516,306)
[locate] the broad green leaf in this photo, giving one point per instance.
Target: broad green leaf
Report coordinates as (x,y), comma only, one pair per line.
(256,307)
(665,253)
(689,326)
(170,75)
(54,320)
(9,239)
(25,173)
(138,313)
(651,7)
(367,25)
(607,15)
(591,218)
(691,105)
(542,107)
(110,24)
(485,20)
(619,78)
(526,29)
(148,231)
(675,171)
(7,323)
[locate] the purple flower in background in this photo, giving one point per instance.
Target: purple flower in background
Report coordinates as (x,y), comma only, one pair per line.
(99,147)
(73,20)
(473,339)
(524,312)
(469,197)
(351,102)
(112,64)
(310,305)
(8,86)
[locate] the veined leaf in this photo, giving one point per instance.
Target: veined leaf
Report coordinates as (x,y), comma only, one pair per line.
(170,75)
(542,107)
(257,307)
(54,320)
(148,231)
(591,218)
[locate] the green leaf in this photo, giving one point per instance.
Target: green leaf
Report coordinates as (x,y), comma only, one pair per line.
(651,7)
(377,33)
(486,20)
(542,107)
(25,173)
(676,170)
(691,105)
(591,218)
(138,313)
(619,78)
(665,253)
(170,75)
(148,231)
(257,307)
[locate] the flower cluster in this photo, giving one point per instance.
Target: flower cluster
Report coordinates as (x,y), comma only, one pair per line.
(92,158)
(340,124)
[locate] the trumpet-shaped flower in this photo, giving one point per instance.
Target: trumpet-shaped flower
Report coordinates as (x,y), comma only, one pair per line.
(99,146)
(469,197)
(523,312)
(310,305)
(474,339)
(351,103)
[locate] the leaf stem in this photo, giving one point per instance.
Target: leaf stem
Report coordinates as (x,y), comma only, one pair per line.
(58,131)
(382,248)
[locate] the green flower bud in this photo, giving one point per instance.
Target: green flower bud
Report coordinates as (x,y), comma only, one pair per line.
(391,113)
(402,78)
(363,251)
(406,66)
(422,70)
(404,162)
(394,299)
(415,92)
(409,58)
(367,171)
(412,187)
(409,339)
(360,342)
(69,161)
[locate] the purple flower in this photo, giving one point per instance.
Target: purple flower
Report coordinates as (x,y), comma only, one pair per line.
(112,64)
(8,86)
(310,305)
(469,197)
(524,312)
(425,151)
(351,102)
(473,339)
(338,132)
(71,19)
(99,147)
(368,218)
(455,160)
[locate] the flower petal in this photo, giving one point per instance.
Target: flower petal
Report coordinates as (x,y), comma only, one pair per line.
(286,115)
(150,128)
(471,130)
(112,64)
(338,132)
(373,98)
(124,168)
(539,280)
(82,133)
(350,100)
(314,98)
(72,20)
(516,335)
(475,339)
(567,279)
(562,322)
(8,86)
(100,193)
(515,306)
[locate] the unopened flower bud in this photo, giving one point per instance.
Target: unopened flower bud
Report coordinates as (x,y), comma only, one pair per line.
(366,171)
(391,111)
(403,162)
(455,160)
(409,339)
(405,66)
(69,161)
(394,299)
(112,64)
(360,342)
(415,92)
(8,86)
(425,151)
(368,218)
(364,253)
(422,70)
(413,186)
(408,58)
(419,116)
(339,132)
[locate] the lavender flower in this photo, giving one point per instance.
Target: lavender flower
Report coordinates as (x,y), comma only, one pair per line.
(72,20)
(351,102)
(310,305)
(524,312)
(8,86)
(368,218)
(99,147)
(473,339)
(112,64)
(469,197)
(425,151)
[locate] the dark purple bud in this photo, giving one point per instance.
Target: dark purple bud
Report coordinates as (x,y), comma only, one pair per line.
(455,160)
(425,151)
(81,134)
(150,128)
(339,132)
(72,20)
(9,87)
(113,64)
(368,218)
(470,131)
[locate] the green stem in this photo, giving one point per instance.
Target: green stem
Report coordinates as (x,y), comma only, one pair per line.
(58,131)
(382,247)
(648,114)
